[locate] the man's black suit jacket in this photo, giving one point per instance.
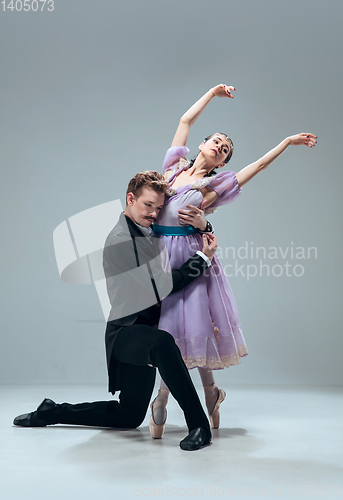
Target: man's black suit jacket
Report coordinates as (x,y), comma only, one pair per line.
(126,249)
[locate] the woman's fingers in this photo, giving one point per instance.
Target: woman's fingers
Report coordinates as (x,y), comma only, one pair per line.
(310,139)
(223,90)
(305,139)
(229,87)
(228,90)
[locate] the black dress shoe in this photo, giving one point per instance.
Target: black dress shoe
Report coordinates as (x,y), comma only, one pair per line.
(36,418)
(196,439)
(29,420)
(46,405)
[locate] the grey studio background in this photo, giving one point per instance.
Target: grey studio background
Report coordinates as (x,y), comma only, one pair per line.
(92,92)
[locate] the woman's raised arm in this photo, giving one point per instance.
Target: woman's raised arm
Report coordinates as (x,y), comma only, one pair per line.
(247,173)
(181,135)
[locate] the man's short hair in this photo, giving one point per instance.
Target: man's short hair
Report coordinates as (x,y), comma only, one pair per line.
(147,179)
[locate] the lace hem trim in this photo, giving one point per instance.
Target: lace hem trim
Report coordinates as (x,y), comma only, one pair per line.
(216,363)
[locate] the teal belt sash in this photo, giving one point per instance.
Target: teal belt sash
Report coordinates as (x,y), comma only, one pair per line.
(174,230)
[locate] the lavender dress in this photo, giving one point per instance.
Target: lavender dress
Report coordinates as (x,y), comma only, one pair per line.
(202,317)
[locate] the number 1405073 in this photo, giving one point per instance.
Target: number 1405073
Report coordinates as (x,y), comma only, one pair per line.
(27,5)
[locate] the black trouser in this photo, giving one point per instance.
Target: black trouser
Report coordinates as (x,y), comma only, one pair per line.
(135,347)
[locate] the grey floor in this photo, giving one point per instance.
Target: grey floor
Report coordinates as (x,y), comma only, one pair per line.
(274,441)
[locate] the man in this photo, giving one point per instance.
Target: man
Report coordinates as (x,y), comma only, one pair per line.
(136,282)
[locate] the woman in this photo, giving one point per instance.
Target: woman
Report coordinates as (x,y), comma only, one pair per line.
(203,317)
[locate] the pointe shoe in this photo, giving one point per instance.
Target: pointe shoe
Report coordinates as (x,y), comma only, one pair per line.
(215,416)
(156,431)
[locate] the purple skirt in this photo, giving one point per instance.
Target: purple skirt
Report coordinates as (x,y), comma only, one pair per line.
(202,317)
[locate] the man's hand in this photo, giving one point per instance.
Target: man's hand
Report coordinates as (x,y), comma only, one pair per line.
(194,216)
(209,245)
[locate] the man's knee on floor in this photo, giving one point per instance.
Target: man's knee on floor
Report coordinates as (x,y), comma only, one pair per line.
(129,414)
(134,420)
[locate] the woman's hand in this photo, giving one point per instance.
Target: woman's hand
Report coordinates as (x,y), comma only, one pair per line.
(194,216)
(303,139)
(193,113)
(223,90)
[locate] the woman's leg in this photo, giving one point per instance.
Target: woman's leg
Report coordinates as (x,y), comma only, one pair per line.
(213,396)
(210,388)
(159,404)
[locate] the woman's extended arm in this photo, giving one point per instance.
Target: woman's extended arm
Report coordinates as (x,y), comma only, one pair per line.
(181,135)
(247,173)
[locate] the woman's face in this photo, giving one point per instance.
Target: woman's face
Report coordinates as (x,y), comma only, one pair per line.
(215,149)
